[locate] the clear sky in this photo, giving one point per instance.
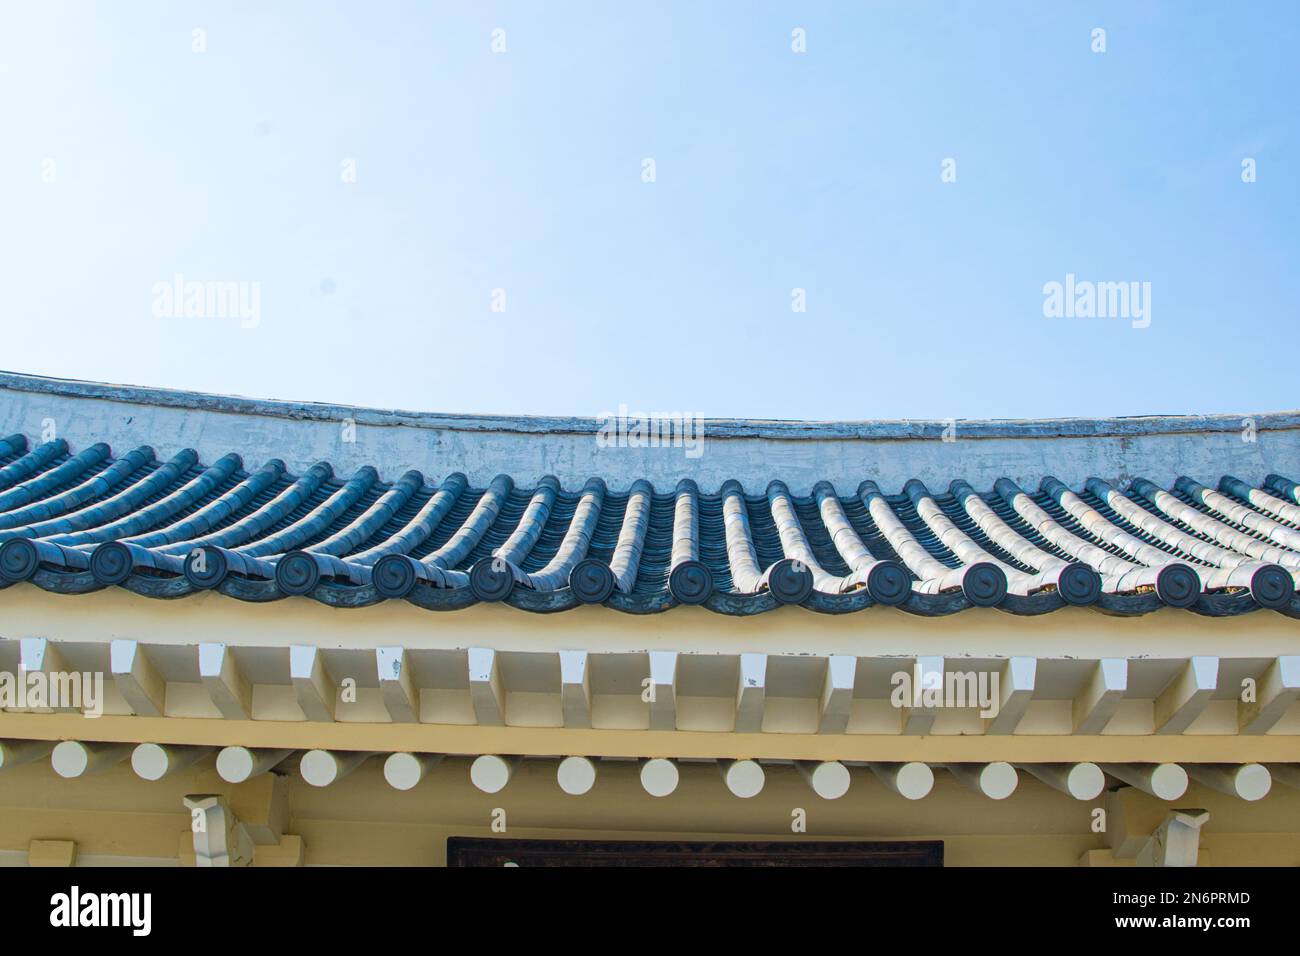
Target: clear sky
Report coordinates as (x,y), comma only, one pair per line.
(128,157)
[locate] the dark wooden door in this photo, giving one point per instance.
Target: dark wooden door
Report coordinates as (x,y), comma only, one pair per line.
(473,851)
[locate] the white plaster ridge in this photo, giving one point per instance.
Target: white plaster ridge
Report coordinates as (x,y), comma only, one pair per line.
(754,452)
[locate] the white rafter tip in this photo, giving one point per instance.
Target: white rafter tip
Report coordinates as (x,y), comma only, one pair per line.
(1250,781)
(149,761)
(320,768)
(659,776)
(234,764)
(576,775)
(914,780)
(1085,781)
(1082,781)
(69,759)
(490,773)
(72,758)
(404,770)
(745,778)
(1253,781)
(829,779)
(1164,781)
(1169,781)
(998,780)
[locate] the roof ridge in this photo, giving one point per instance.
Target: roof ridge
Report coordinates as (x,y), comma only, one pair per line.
(716,428)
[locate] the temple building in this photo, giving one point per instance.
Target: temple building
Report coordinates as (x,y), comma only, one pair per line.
(269,633)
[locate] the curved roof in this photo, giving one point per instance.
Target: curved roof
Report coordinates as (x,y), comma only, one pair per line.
(712,452)
(77,520)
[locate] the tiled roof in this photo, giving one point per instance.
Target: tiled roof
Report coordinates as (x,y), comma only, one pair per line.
(74,522)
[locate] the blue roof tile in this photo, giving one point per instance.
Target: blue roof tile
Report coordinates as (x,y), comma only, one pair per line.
(77,522)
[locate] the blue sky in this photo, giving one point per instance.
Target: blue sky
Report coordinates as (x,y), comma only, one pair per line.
(129,158)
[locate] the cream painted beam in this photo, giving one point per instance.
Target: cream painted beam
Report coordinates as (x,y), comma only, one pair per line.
(1131,817)
(1177,841)
(996,780)
(751,695)
(155,761)
(290,851)
(219,838)
(912,780)
(136,679)
(237,764)
(490,772)
(404,770)
(262,806)
(1083,781)
(1287,773)
(1275,692)
(576,775)
(663,690)
(73,758)
(1187,695)
(231,694)
(744,778)
(927,674)
(549,741)
(54,853)
(837,694)
(13,753)
(575,689)
(401,698)
(1101,696)
(316,693)
(1016,691)
(659,776)
(1165,781)
(320,768)
(829,779)
(1249,781)
(485,690)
